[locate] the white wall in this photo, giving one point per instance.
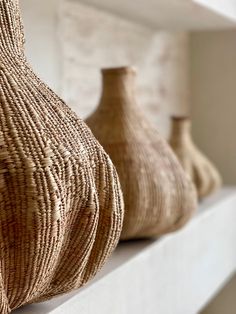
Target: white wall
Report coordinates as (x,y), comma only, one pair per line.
(213,60)
(42,42)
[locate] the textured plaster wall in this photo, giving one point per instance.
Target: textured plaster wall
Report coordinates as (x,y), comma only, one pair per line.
(42,39)
(92,39)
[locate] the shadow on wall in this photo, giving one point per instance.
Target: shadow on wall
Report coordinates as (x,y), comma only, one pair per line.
(213,98)
(225,302)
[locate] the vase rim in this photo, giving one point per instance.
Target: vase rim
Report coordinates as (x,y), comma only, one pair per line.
(119,70)
(180,118)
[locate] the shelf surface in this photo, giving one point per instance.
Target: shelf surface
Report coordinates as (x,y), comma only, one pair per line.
(173,14)
(178,273)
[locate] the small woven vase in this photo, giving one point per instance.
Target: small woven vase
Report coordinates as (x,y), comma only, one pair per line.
(205,176)
(61,207)
(159,198)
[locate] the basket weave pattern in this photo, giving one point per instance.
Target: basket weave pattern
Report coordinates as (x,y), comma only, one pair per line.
(159,198)
(202,172)
(61,207)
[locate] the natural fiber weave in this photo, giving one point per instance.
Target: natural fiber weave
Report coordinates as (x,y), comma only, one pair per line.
(203,173)
(159,198)
(61,207)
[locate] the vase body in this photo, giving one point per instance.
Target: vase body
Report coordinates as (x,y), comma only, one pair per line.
(158,197)
(202,172)
(61,207)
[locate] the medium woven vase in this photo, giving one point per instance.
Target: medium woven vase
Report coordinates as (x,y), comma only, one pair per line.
(61,207)
(158,196)
(203,173)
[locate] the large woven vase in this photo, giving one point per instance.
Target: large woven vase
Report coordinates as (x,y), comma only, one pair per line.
(203,173)
(61,206)
(158,196)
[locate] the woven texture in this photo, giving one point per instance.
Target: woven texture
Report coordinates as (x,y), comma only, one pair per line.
(61,207)
(203,173)
(159,198)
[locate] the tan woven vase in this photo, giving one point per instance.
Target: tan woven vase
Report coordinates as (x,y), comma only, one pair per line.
(201,170)
(159,198)
(61,205)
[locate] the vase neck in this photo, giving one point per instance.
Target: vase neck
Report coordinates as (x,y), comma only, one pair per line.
(180,129)
(11,29)
(118,85)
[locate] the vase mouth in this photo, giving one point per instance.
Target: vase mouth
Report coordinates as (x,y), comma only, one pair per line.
(180,118)
(119,70)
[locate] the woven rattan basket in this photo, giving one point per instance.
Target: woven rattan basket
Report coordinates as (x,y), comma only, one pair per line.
(61,205)
(159,197)
(203,173)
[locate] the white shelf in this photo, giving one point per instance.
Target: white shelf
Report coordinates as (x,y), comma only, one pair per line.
(166,274)
(226,8)
(173,14)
